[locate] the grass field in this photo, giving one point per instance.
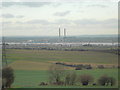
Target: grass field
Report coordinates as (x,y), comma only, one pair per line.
(33,78)
(67,56)
(31,66)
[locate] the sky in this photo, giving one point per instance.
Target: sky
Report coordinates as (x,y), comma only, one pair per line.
(45,18)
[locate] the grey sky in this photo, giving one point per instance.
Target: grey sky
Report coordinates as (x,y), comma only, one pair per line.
(44,18)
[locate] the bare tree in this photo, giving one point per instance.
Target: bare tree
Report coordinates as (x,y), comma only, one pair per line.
(70,78)
(56,75)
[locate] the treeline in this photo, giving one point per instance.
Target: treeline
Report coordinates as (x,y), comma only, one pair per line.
(83,66)
(59,76)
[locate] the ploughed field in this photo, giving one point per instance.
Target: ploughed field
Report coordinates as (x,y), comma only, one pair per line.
(31,66)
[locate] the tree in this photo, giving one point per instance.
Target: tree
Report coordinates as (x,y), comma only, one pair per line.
(100,66)
(112,81)
(105,80)
(86,79)
(7,77)
(56,73)
(71,78)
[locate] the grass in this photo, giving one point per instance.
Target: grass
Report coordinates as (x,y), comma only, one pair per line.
(64,56)
(32,78)
(31,65)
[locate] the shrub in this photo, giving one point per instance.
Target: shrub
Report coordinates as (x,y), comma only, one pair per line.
(105,80)
(112,81)
(118,67)
(7,77)
(43,84)
(86,79)
(101,67)
(56,73)
(94,84)
(67,79)
(88,67)
(70,78)
(78,68)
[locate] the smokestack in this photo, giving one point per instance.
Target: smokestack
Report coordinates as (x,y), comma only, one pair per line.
(64,32)
(59,32)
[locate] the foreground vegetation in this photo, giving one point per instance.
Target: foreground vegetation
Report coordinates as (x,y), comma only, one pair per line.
(32,79)
(31,66)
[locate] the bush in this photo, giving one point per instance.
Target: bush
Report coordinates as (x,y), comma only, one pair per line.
(78,68)
(7,77)
(105,80)
(112,81)
(88,67)
(56,73)
(86,79)
(101,67)
(94,84)
(70,78)
(118,67)
(43,84)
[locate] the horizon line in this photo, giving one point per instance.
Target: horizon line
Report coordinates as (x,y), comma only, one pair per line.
(61,36)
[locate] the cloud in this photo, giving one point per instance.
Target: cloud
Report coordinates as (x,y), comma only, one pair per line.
(109,23)
(62,13)
(81,26)
(63,21)
(19,16)
(56,4)
(45,22)
(7,15)
(38,22)
(84,23)
(28,4)
(35,4)
(97,5)
(6,22)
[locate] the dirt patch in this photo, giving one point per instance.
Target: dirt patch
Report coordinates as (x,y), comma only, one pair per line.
(30,65)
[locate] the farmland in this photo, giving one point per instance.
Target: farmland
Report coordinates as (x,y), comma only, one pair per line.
(65,56)
(32,78)
(31,66)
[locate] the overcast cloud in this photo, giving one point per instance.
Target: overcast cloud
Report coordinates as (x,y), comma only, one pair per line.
(28,4)
(7,15)
(20,18)
(62,13)
(98,5)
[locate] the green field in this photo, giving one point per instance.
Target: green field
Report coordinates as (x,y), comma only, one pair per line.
(33,78)
(67,56)
(31,66)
